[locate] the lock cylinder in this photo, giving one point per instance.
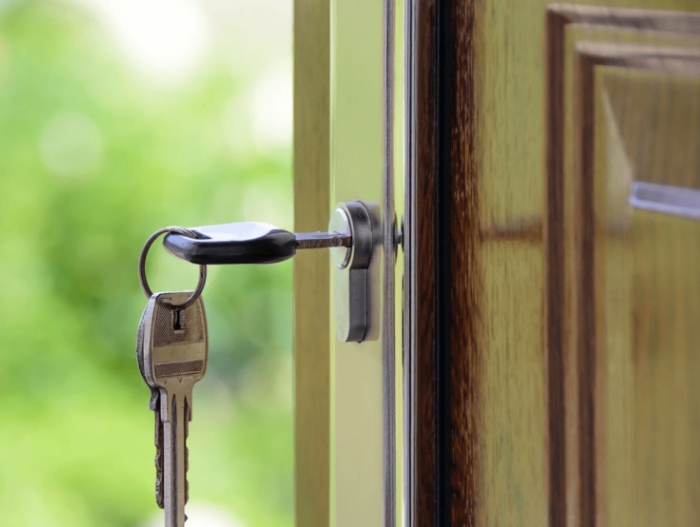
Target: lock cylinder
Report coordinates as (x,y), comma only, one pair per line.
(355,306)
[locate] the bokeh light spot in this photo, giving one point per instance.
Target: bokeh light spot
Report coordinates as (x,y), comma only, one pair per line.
(272,109)
(165,40)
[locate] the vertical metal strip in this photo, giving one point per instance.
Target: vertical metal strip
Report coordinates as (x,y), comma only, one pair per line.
(388,347)
(409,245)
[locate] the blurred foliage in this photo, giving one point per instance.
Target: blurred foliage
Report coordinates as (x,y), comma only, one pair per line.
(76,435)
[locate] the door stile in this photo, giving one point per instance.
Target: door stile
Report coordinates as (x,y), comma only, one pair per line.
(312,370)
(442,276)
(419,295)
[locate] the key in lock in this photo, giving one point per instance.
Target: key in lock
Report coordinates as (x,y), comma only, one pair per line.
(354,237)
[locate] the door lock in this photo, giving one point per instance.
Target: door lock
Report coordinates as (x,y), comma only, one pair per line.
(354,237)
(355,305)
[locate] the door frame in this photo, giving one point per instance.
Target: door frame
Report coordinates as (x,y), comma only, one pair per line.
(312,201)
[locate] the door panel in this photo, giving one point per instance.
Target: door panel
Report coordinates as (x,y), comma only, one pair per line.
(551,377)
(637,295)
(646,291)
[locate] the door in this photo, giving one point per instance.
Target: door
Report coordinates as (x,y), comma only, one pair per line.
(549,306)
(556,356)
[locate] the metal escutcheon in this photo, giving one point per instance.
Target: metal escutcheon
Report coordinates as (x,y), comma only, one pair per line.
(356,307)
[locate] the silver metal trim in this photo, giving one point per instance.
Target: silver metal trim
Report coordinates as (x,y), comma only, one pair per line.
(340,224)
(355,320)
(409,248)
(389,341)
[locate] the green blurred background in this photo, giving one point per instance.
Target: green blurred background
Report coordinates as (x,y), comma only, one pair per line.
(118,117)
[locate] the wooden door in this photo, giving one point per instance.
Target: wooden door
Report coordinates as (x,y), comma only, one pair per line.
(551,349)
(555,373)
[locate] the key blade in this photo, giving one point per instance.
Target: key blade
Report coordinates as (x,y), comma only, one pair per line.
(322,240)
(175,459)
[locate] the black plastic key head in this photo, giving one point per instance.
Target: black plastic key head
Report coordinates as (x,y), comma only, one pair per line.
(233,243)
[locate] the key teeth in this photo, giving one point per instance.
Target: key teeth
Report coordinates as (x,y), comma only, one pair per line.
(155,396)
(158,460)
(188,418)
(187,468)
(159,494)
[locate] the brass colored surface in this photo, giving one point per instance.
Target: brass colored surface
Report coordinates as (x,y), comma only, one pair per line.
(312,205)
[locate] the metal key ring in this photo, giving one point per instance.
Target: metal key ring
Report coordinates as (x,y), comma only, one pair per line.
(142,265)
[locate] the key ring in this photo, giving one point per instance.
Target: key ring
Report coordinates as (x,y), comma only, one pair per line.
(142,265)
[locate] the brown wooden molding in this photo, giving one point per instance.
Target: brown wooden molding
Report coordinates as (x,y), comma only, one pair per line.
(445,356)
(423,360)
(464,364)
(528,230)
(676,22)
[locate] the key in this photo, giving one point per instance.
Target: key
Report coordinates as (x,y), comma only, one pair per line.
(248,243)
(154,405)
(174,357)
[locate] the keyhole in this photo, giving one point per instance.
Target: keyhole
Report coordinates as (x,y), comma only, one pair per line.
(178,320)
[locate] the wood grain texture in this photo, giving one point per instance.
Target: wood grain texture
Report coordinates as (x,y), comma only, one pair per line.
(424,366)
(446,215)
(600,467)
(459,204)
(531,302)
(311,268)
(597,259)
(424,358)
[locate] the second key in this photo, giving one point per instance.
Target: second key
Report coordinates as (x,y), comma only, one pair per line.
(175,343)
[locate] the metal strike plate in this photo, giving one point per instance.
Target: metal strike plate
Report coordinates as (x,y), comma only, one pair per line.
(356,303)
